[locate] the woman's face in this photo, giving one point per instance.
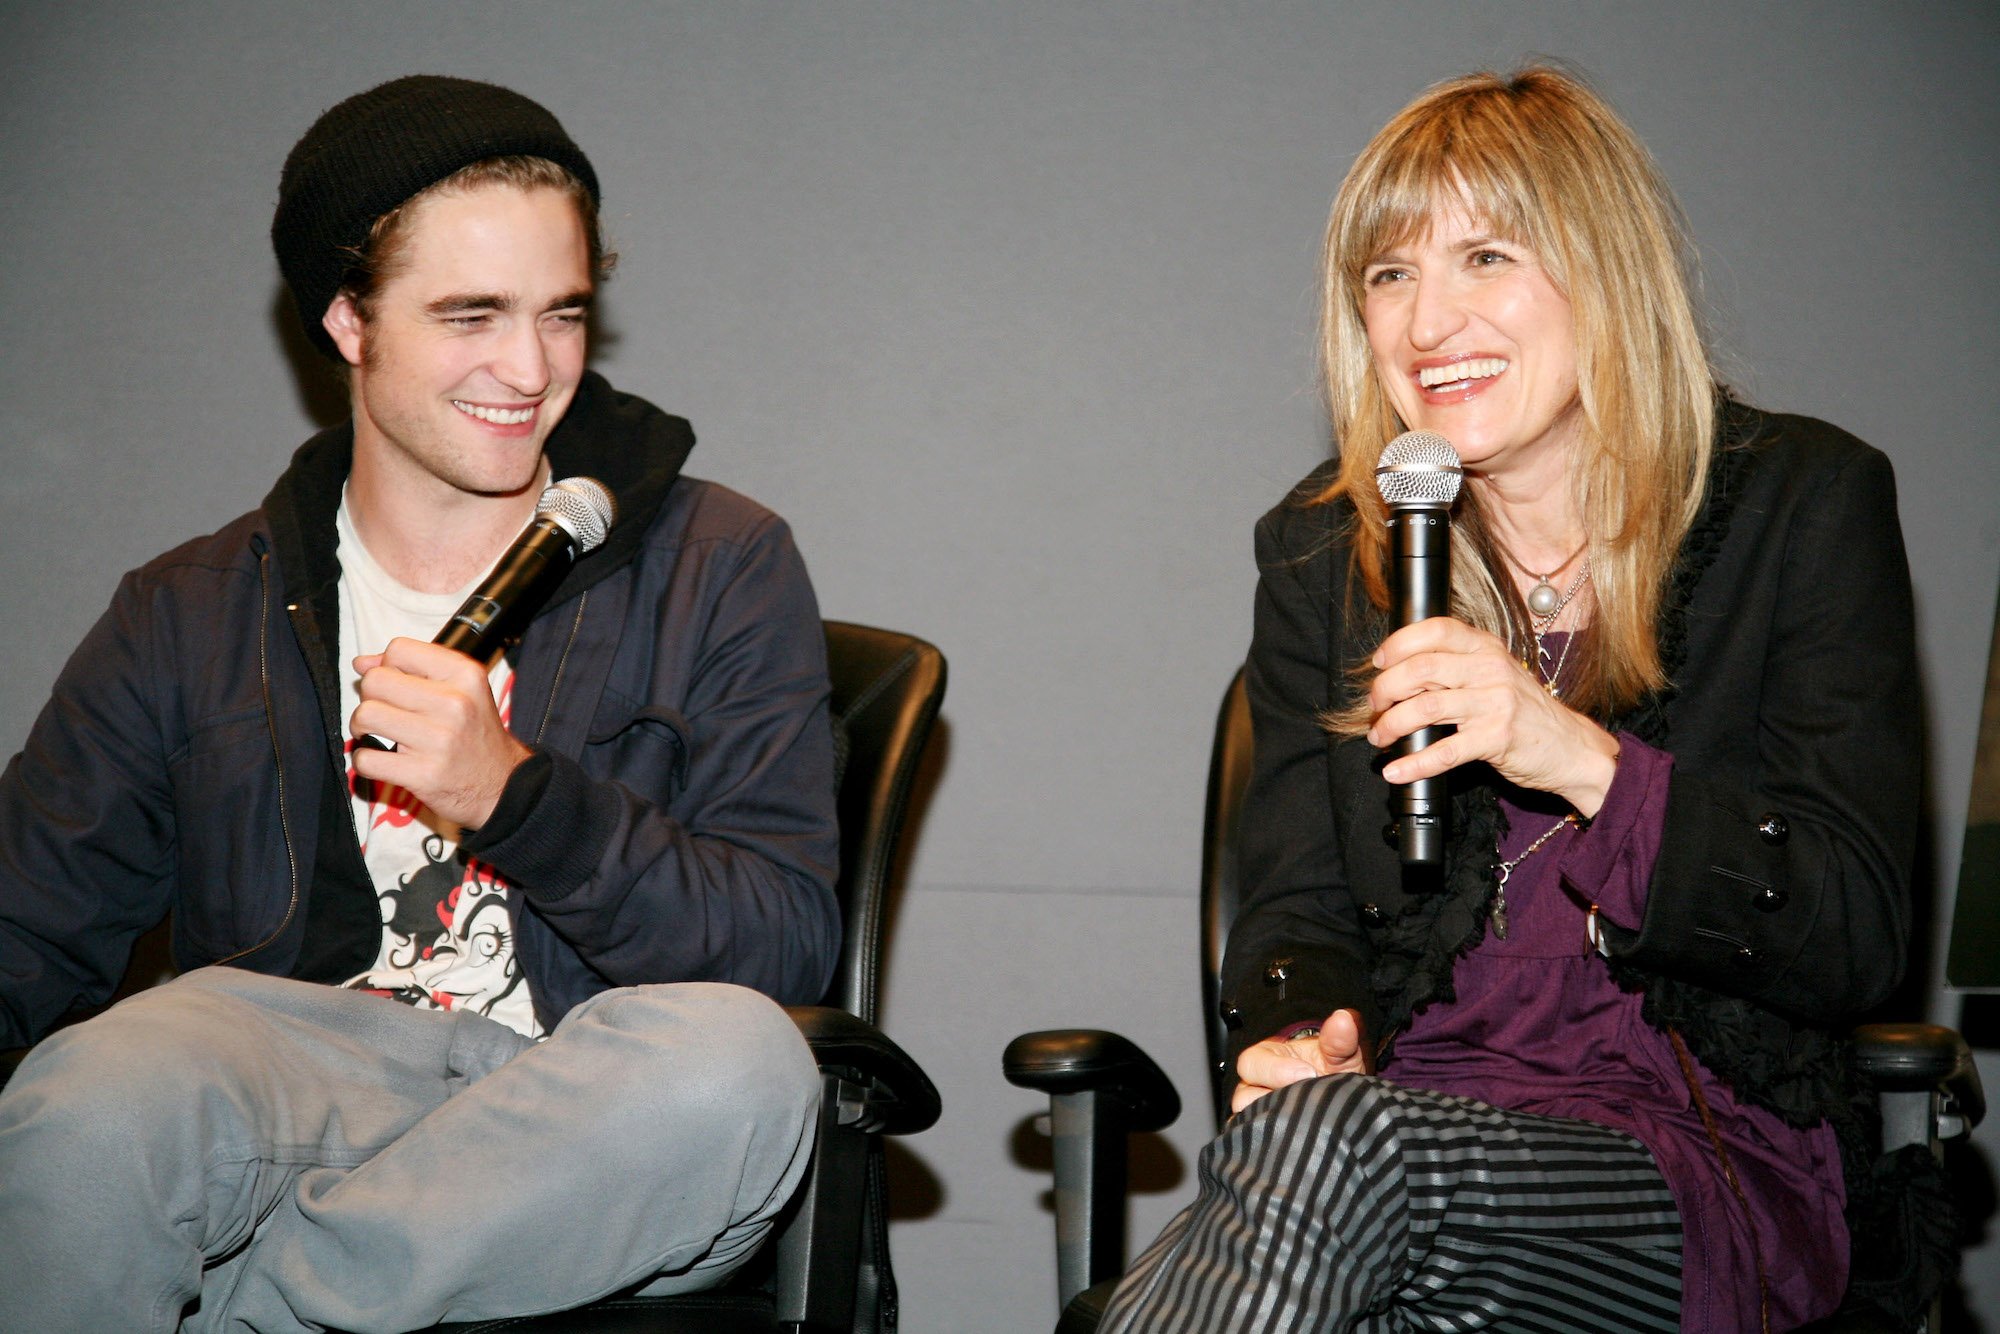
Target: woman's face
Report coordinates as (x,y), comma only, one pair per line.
(1473,341)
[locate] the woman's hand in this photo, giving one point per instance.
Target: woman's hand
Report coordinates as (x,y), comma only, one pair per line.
(1276,1062)
(1444,671)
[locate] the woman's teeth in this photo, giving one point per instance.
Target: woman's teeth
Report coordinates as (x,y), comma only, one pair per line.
(1478,368)
(498,416)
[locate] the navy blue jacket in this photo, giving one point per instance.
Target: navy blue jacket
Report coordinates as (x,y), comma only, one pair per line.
(677,821)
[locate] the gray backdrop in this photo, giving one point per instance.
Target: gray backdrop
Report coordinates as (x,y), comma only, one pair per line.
(1008,308)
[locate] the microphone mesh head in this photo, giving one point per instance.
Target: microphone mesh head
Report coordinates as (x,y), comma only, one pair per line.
(583,507)
(1418,468)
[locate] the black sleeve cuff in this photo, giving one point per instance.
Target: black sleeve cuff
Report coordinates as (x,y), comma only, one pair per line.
(549,831)
(1722,910)
(524,788)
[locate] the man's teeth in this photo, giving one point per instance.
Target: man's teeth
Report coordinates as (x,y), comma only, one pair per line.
(498,416)
(1479,368)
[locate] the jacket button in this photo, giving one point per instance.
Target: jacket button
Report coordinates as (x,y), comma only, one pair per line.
(1372,914)
(1279,973)
(1390,836)
(1749,957)
(1771,898)
(1232,1018)
(1774,829)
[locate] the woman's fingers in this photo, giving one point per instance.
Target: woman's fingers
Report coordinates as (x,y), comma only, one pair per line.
(1485,706)
(1273,1064)
(1439,634)
(1481,664)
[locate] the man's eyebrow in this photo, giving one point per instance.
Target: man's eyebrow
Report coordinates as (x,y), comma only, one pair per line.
(460,303)
(467,303)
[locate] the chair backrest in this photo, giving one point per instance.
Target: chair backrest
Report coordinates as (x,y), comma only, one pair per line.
(1228,776)
(886,691)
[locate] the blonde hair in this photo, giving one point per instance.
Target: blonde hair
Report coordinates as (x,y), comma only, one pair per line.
(1543,161)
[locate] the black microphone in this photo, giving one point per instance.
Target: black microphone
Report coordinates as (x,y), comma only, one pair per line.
(1419,476)
(571,519)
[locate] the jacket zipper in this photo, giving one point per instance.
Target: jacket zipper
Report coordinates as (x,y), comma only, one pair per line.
(277,754)
(555,684)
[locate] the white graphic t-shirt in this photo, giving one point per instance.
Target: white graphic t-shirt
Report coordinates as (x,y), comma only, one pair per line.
(447,938)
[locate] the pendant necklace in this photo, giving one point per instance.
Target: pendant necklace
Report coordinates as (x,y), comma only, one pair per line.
(1543,600)
(1505,869)
(1542,625)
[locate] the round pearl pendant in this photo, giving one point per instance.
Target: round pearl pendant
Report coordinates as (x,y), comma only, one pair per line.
(1543,598)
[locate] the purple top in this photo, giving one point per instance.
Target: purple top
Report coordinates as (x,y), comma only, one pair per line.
(1539,1026)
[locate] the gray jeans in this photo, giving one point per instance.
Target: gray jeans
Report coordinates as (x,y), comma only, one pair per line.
(290,1156)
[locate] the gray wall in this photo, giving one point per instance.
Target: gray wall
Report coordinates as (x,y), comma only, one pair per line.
(1008,309)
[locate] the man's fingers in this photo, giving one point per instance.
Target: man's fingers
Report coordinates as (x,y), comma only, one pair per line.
(388,723)
(431,661)
(452,701)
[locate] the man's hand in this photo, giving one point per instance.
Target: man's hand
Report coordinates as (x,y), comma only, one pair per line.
(452,752)
(1272,1064)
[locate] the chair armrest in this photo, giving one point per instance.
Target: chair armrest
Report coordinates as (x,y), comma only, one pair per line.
(1916,1057)
(868,1087)
(896,1096)
(1100,1088)
(1087,1060)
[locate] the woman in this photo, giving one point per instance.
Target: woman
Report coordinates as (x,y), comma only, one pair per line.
(1587,1077)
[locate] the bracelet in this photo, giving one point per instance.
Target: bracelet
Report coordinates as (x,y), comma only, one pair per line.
(1594,933)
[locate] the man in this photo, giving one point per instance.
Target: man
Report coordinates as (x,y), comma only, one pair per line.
(639,792)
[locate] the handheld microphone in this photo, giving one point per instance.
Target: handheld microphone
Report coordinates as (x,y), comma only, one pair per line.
(1419,476)
(571,519)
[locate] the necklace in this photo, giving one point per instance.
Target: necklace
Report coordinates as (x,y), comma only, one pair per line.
(1505,869)
(1542,598)
(1552,606)
(1541,625)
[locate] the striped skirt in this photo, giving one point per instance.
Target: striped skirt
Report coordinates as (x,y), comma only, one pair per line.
(1350,1204)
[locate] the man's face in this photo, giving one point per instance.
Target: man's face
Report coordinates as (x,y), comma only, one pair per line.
(473,348)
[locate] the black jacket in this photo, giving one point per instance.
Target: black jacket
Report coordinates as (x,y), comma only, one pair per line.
(1780,902)
(676,822)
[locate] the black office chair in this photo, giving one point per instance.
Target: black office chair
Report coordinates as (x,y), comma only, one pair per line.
(1102,1087)
(827,1269)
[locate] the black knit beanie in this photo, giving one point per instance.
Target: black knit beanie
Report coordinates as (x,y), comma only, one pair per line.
(376,149)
